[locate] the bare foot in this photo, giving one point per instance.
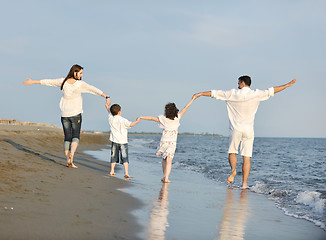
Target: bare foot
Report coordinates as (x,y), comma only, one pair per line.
(127,176)
(231,177)
(245,186)
(164,180)
(73,165)
(112,174)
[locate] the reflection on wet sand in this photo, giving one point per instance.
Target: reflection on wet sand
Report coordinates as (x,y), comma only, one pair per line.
(235,216)
(158,221)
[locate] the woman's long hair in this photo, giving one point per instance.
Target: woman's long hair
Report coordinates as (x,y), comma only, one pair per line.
(74,69)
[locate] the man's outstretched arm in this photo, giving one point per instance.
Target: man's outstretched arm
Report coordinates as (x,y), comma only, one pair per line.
(281,88)
(206,94)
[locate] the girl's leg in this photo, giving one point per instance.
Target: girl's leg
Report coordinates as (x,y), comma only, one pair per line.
(163,167)
(168,167)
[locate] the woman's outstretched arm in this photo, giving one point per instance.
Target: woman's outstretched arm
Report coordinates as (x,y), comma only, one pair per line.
(46,82)
(30,82)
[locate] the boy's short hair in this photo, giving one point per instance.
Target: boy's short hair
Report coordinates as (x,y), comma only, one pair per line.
(245,79)
(115,109)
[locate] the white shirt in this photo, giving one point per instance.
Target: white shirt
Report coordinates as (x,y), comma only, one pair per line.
(170,127)
(119,126)
(71,103)
(242,105)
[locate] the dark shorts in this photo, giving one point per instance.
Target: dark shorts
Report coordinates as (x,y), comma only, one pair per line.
(119,151)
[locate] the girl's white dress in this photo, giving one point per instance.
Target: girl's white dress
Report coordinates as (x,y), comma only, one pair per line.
(168,141)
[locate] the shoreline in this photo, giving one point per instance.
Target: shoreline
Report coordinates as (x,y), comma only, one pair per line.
(41,198)
(196,207)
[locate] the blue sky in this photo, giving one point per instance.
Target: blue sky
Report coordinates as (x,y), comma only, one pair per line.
(145,54)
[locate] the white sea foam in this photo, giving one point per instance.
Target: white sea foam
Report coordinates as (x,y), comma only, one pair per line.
(312,199)
(316,222)
(259,188)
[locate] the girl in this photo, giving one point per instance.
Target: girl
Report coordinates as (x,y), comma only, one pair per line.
(71,106)
(170,123)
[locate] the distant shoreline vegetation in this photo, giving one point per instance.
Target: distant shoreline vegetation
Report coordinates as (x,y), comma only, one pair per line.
(180,134)
(158,133)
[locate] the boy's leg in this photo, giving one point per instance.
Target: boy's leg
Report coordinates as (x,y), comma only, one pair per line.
(112,173)
(114,157)
(126,165)
(125,159)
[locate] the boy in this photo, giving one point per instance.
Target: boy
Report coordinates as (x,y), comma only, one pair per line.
(119,137)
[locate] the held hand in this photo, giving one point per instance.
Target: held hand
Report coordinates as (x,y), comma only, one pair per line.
(138,119)
(107,105)
(108,101)
(196,95)
(28,82)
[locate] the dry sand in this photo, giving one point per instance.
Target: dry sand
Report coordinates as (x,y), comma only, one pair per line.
(40,198)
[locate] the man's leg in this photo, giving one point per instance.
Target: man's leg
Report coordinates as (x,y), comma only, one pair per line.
(245,171)
(233,165)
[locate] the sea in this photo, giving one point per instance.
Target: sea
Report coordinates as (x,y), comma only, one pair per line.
(291,172)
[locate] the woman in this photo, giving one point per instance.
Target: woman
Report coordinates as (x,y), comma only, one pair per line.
(71,106)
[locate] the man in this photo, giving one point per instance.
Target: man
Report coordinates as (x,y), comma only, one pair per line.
(242,105)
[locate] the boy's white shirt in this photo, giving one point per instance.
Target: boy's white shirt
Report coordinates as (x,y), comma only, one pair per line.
(119,126)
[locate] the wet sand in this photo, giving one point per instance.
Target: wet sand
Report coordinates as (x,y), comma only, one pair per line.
(40,198)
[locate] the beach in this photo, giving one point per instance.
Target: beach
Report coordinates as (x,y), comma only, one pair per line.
(42,199)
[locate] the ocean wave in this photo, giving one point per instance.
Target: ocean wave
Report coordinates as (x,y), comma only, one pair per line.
(305,217)
(312,199)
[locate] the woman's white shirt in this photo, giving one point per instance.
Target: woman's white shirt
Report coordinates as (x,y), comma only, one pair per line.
(71,103)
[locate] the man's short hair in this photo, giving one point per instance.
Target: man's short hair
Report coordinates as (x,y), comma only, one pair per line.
(115,109)
(245,79)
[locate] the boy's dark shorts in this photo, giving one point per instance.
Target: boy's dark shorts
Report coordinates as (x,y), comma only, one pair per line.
(121,150)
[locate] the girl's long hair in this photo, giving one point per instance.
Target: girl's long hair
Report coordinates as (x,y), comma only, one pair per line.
(171,111)
(74,69)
